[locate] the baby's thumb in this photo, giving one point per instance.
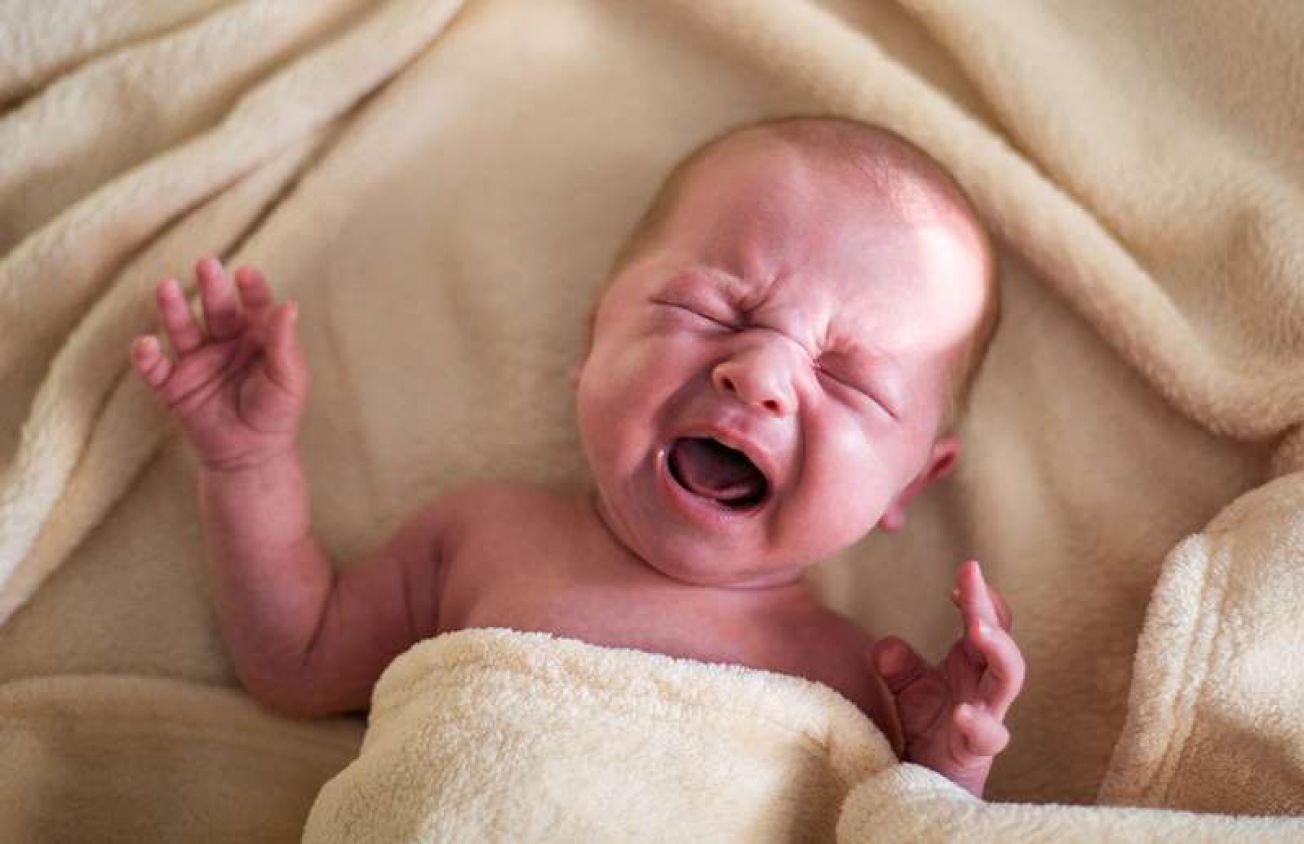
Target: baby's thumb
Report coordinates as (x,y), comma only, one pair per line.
(897,663)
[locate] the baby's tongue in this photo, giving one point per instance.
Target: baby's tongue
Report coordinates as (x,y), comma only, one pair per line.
(714,471)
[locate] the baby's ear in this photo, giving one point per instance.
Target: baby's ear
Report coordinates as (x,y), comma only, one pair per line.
(941,462)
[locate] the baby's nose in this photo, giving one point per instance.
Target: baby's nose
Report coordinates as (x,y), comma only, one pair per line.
(761,376)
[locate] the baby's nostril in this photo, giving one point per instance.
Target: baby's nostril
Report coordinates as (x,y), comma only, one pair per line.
(728,383)
(771,405)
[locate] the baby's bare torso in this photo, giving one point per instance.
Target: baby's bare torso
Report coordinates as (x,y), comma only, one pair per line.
(524,558)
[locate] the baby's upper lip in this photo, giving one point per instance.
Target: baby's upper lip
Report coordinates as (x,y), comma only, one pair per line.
(744,436)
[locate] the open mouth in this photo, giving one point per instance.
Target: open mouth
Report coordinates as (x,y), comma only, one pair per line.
(709,469)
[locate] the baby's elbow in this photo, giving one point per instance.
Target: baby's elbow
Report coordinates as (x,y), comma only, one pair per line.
(295,698)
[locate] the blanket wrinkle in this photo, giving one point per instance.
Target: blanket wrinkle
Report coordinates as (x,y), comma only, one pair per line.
(1288,456)
(118,734)
(442,189)
(102,469)
(43,40)
(120,120)
(37,268)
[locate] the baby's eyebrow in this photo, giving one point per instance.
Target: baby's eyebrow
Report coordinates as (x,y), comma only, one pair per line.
(733,286)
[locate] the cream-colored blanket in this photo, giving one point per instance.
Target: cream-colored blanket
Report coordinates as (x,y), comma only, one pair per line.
(441,185)
(483,735)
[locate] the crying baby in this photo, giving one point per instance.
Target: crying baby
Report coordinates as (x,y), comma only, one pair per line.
(774,369)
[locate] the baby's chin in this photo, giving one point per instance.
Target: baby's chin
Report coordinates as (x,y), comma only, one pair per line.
(718,561)
(710,562)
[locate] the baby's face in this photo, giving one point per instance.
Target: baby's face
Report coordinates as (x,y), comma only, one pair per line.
(767,379)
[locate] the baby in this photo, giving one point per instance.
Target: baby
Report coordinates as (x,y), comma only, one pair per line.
(771,373)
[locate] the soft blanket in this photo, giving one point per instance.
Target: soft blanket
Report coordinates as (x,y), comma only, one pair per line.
(486,734)
(442,185)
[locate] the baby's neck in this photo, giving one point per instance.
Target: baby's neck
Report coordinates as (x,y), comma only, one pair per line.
(785,586)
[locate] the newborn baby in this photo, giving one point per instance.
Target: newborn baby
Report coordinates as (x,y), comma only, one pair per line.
(772,372)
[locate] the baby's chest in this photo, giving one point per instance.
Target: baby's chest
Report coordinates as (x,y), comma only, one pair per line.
(546,580)
(607,607)
(539,581)
(552,596)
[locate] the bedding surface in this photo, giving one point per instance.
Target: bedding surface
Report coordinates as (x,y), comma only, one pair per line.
(442,185)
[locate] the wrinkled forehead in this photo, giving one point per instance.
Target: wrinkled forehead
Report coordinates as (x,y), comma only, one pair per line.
(865,252)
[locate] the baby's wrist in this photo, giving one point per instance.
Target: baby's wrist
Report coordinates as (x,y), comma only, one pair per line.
(249,464)
(255,505)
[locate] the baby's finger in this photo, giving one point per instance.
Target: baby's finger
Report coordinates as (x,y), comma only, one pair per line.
(148,360)
(255,296)
(178,322)
(221,308)
(984,734)
(285,360)
(1003,614)
(975,607)
(975,600)
(897,663)
(1003,678)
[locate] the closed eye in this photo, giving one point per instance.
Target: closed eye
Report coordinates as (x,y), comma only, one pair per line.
(694,312)
(847,385)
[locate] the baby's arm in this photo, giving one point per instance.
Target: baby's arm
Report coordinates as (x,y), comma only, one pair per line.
(952,714)
(303,639)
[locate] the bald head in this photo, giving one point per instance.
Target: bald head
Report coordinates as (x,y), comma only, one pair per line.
(890,168)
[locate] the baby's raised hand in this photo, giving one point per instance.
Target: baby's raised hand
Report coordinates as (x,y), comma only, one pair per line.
(952,714)
(237,386)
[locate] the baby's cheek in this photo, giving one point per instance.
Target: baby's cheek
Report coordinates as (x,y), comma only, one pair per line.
(828,524)
(856,483)
(622,364)
(861,502)
(616,409)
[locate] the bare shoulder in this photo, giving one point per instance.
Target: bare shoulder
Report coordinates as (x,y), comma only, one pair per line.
(849,641)
(479,496)
(838,650)
(498,492)
(493,504)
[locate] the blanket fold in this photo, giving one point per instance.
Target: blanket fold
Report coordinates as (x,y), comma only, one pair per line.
(442,185)
(907,803)
(492,734)
(246,775)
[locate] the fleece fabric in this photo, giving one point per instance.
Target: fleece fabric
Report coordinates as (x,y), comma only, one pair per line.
(442,186)
(485,734)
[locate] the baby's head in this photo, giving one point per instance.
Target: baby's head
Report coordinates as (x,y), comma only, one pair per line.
(782,349)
